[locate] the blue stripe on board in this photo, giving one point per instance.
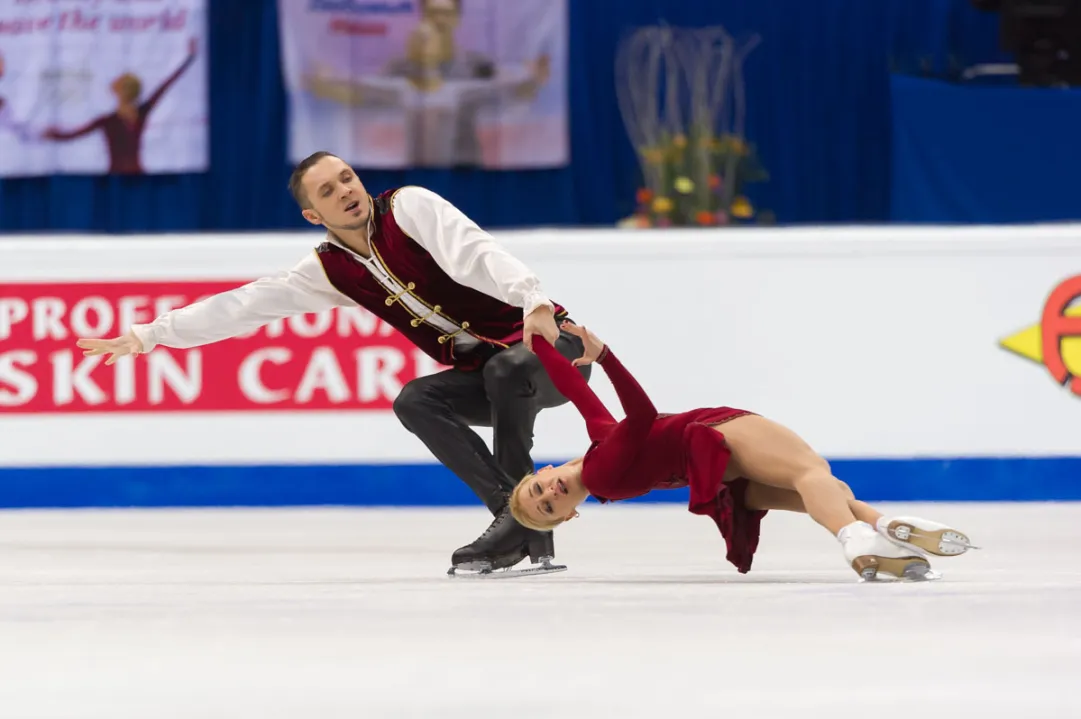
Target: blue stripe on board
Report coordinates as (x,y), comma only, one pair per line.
(1012,479)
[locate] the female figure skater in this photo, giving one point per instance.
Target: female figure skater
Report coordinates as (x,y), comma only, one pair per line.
(737,464)
(124,127)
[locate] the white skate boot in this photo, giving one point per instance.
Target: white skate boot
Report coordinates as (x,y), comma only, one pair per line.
(874,557)
(923,535)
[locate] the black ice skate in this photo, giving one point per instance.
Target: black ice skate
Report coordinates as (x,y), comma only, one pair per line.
(504,544)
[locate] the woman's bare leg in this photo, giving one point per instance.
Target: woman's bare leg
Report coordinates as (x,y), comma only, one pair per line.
(763,496)
(769,453)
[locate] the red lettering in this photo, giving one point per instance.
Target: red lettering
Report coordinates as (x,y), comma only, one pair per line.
(15,27)
(166,20)
(1056,327)
(171,22)
(345,26)
(77,21)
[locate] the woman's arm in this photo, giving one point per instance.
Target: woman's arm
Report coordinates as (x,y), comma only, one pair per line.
(570,383)
(636,403)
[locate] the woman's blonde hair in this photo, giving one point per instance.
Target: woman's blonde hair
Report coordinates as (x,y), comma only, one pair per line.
(517,510)
(129,85)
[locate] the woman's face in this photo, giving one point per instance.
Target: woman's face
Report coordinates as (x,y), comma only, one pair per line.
(549,494)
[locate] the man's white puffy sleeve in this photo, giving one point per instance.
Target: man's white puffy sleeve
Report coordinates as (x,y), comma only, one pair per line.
(468,254)
(303,289)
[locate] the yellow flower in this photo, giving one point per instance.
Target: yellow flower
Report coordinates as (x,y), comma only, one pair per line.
(741,207)
(662,204)
(684,185)
(680,140)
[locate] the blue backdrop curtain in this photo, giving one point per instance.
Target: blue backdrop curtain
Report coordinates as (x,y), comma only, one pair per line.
(818,109)
(972,154)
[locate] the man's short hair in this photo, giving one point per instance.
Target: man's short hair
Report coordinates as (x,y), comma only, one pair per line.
(296,180)
(425,3)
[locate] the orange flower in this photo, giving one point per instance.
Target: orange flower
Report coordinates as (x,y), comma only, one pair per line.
(644,195)
(705,217)
(714,182)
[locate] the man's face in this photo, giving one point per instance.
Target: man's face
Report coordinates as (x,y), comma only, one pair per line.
(443,14)
(338,200)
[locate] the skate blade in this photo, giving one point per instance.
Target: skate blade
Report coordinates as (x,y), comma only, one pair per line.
(929,576)
(942,542)
(473,571)
(889,569)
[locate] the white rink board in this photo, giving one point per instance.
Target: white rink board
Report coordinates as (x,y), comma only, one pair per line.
(284,614)
(870,342)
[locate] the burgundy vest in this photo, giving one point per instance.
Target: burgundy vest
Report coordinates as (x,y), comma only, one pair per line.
(493,322)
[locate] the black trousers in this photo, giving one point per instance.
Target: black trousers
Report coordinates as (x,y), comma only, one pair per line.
(506,394)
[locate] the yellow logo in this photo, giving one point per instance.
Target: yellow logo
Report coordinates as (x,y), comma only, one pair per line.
(1055,341)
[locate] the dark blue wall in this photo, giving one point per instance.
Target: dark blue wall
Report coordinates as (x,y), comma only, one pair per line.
(818,96)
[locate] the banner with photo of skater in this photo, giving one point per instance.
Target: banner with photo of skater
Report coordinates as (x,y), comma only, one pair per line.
(104,87)
(427,83)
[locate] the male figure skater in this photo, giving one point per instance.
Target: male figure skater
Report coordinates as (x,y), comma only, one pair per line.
(417,262)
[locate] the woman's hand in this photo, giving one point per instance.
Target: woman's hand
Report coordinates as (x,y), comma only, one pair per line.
(592,344)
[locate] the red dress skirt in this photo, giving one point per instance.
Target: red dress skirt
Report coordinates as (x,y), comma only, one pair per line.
(724,502)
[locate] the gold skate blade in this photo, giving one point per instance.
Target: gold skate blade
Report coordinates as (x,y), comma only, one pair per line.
(873,568)
(940,542)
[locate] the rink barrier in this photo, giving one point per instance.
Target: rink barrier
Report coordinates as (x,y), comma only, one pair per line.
(946,359)
(1013,479)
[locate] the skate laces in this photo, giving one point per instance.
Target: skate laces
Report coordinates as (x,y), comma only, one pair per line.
(492,527)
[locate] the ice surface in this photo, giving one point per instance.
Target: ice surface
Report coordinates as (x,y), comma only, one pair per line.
(335,613)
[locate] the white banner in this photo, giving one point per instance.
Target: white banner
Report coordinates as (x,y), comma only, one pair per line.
(427,83)
(869,342)
(102,87)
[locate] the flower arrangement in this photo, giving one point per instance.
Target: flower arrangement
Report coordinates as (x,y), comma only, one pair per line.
(682,99)
(697,181)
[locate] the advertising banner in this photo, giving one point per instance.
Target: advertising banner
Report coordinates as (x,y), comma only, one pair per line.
(344,358)
(427,83)
(103,87)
